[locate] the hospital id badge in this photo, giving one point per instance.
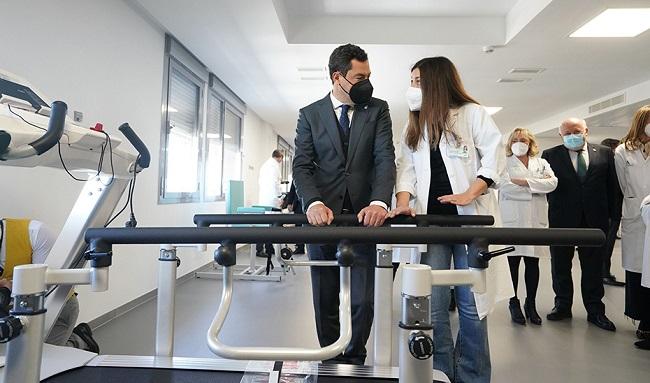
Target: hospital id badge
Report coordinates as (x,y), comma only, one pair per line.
(459,152)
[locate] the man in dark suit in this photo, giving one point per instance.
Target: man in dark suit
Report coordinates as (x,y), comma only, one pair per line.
(585,197)
(345,164)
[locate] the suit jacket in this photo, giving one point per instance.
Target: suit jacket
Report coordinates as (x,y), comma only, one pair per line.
(293,200)
(323,172)
(595,198)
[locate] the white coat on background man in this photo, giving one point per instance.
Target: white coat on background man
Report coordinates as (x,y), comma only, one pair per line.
(270,181)
(527,206)
(633,171)
(481,148)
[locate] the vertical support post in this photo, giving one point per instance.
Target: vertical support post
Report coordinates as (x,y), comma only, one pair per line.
(416,332)
(25,353)
(165,310)
(383,338)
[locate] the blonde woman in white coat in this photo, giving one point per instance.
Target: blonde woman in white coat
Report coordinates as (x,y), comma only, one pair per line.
(523,204)
(451,153)
(632,159)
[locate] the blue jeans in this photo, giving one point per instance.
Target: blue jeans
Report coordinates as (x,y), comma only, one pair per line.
(469,360)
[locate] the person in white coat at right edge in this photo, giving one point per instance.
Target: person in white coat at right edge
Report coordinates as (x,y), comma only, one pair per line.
(523,204)
(632,159)
(452,153)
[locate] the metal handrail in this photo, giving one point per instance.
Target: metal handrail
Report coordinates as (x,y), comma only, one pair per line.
(205,220)
(280,353)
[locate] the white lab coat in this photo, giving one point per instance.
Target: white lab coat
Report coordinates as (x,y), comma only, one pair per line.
(645,214)
(269,183)
(486,157)
(526,206)
(633,172)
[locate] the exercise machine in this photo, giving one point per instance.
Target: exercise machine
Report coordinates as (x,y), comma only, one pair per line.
(383,292)
(35,132)
(414,355)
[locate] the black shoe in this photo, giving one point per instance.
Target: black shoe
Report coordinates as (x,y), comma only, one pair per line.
(559,314)
(601,321)
(452,301)
(643,344)
(262,254)
(84,332)
(299,250)
(531,312)
(643,335)
(611,281)
(515,312)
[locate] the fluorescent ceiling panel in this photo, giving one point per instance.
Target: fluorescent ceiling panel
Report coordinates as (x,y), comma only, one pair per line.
(619,22)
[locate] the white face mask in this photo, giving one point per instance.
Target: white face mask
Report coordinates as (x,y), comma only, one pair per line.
(414,98)
(647,130)
(519,149)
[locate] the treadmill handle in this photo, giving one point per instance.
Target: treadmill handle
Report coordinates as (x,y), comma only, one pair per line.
(47,141)
(140,147)
(280,353)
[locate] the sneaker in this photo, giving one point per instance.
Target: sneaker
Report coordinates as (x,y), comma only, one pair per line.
(84,332)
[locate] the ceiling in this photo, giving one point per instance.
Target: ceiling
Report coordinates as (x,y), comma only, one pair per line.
(257,46)
(415,8)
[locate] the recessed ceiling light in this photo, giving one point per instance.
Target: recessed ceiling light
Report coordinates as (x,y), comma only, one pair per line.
(492,110)
(616,22)
(526,70)
(513,80)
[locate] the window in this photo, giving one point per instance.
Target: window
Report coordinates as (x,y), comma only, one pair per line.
(183,131)
(214,156)
(201,136)
(232,158)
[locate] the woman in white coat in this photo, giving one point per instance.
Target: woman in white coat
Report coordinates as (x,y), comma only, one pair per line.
(523,204)
(451,154)
(632,160)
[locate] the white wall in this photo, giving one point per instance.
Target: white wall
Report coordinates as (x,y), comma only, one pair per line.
(259,142)
(105,60)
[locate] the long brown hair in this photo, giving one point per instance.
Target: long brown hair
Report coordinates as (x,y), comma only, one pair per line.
(632,139)
(442,90)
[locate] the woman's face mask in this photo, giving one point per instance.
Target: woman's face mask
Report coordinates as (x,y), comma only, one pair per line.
(574,141)
(361,92)
(519,149)
(647,130)
(414,98)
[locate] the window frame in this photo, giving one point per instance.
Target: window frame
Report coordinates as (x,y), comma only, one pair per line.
(179,58)
(181,197)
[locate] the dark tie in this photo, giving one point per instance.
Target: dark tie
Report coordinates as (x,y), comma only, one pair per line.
(581,169)
(344,120)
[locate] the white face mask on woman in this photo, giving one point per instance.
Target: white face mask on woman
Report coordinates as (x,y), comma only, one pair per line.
(414,98)
(647,130)
(519,149)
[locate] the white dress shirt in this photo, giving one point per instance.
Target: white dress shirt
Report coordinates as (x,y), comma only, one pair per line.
(337,110)
(574,156)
